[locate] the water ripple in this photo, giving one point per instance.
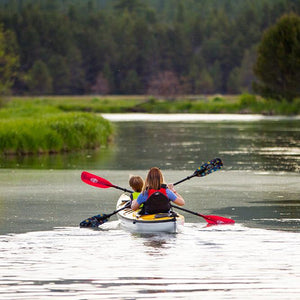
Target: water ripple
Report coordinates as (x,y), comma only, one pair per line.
(216,262)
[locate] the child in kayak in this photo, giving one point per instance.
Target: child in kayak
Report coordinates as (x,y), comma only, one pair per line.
(156,196)
(137,184)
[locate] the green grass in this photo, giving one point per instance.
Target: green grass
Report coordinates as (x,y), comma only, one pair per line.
(57,124)
(95,104)
(32,129)
(245,103)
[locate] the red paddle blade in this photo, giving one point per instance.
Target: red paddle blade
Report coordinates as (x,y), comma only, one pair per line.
(217,220)
(96,181)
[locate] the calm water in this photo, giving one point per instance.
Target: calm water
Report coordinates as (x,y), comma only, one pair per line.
(44,255)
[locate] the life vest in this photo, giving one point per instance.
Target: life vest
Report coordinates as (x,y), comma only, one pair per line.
(157,202)
(134,195)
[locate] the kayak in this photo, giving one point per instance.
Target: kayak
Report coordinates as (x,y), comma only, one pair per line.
(130,220)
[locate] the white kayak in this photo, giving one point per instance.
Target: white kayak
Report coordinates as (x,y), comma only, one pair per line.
(163,222)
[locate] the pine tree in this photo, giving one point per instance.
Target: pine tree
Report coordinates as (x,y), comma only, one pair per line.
(39,79)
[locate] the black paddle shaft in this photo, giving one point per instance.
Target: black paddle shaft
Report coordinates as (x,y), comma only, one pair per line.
(122,189)
(127,205)
(186,210)
(189,177)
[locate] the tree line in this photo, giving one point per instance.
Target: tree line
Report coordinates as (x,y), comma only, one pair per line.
(133,46)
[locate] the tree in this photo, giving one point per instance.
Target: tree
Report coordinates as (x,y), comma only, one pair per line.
(205,83)
(278,62)
(77,83)
(165,84)
(9,60)
(39,79)
(130,5)
(204,42)
(131,83)
(101,85)
(60,73)
(241,78)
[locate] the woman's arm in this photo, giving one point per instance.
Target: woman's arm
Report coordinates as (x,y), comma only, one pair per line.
(179,200)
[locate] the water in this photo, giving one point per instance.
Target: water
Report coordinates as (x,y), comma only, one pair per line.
(45,255)
(210,263)
(259,143)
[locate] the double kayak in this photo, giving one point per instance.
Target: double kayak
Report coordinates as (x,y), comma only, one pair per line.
(130,220)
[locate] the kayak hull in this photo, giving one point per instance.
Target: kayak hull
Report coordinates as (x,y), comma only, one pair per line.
(131,221)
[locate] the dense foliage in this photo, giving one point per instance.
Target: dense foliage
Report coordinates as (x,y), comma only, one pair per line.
(278,62)
(9,60)
(137,46)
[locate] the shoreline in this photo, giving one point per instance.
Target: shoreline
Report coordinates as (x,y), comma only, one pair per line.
(147,117)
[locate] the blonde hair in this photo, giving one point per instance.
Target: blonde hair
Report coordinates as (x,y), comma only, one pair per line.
(154,179)
(136,182)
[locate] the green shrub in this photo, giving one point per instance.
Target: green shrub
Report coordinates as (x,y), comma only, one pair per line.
(247,100)
(53,133)
(218,99)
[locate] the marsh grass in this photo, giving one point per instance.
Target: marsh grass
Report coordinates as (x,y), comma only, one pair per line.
(96,104)
(31,129)
(244,103)
(57,124)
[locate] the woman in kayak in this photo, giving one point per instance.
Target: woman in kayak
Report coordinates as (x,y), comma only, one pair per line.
(156,196)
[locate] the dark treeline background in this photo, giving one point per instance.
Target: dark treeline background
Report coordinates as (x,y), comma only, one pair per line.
(133,46)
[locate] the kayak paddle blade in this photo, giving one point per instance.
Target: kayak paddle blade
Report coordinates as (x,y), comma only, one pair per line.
(95,221)
(217,220)
(209,167)
(98,220)
(95,180)
(100,182)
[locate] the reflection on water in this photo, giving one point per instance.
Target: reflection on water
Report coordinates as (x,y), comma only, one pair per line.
(40,200)
(232,262)
(270,145)
(45,255)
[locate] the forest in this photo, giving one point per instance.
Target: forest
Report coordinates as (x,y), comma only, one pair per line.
(126,47)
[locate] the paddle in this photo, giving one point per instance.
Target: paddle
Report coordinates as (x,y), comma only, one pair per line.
(210,219)
(96,181)
(99,182)
(98,220)
(207,168)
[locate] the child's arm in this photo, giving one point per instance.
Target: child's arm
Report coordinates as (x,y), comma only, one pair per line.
(134,205)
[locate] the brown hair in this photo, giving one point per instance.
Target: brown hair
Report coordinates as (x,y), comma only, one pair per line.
(154,179)
(136,182)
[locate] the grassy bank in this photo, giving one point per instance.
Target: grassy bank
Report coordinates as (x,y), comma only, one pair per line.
(30,125)
(32,129)
(197,104)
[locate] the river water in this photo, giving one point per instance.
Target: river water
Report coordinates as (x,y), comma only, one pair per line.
(45,255)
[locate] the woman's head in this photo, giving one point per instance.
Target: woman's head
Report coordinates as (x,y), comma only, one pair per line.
(154,179)
(137,183)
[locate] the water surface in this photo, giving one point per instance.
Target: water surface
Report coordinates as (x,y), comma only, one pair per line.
(45,255)
(180,142)
(210,263)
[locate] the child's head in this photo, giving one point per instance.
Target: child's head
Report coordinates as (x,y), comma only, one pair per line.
(136,182)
